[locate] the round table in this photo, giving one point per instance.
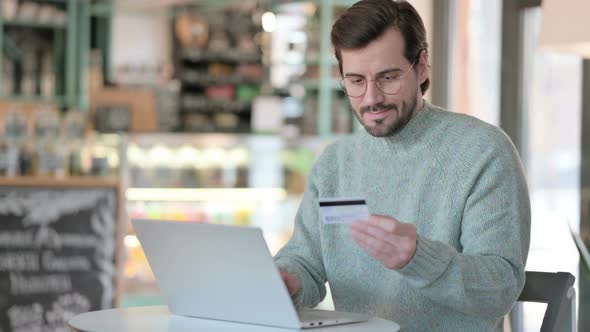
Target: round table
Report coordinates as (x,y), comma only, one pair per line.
(159,319)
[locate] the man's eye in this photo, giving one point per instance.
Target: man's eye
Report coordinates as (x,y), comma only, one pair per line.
(357,81)
(391,77)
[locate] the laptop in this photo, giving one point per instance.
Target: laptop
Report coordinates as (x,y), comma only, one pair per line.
(224,273)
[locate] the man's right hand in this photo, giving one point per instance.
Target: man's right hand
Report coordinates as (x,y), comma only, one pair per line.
(291,282)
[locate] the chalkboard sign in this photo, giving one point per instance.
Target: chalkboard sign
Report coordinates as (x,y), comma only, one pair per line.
(57,255)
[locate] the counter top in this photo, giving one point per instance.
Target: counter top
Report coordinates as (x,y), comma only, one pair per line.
(47,181)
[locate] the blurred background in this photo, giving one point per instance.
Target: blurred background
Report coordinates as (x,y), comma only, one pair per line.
(214,111)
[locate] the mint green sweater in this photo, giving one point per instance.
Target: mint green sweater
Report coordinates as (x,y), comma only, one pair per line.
(460,182)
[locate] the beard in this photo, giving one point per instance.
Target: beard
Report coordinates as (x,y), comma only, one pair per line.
(380,128)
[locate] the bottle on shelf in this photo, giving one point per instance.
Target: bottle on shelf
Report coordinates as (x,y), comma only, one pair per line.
(28,79)
(7,77)
(47,83)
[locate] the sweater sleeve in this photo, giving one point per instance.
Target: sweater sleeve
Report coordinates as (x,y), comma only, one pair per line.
(302,255)
(487,275)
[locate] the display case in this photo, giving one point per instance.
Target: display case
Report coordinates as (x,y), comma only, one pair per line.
(246,180)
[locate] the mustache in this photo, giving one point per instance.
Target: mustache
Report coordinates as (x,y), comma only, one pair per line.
(378,108)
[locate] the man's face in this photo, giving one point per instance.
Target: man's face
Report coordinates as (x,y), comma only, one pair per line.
(384,114)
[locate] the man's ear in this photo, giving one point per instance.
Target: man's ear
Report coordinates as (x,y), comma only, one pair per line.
(423,67)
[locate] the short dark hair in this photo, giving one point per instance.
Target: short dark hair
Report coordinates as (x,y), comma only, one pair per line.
(367,20)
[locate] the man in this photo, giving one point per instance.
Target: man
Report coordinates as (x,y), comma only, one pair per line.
(447,241)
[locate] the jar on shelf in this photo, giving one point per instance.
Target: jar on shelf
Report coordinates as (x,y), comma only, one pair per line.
(12,142)
(72,135)
(8,150)
(50,155)
(9,9)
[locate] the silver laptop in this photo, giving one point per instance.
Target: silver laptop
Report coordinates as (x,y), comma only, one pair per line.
(224,273)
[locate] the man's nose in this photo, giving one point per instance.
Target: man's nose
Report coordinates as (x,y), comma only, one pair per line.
(372,95)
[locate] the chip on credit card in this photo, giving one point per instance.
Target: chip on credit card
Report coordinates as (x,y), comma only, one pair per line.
(343,210)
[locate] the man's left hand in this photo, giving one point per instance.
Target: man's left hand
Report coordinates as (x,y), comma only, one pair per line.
(392,242)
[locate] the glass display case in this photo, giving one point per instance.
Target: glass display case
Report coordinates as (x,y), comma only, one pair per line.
(245,180)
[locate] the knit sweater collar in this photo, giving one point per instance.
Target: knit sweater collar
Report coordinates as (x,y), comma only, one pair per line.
(408,136)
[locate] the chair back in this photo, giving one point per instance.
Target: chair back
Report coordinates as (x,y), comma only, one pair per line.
(555,289)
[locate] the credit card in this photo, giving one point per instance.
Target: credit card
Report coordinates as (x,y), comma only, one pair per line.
(343,210)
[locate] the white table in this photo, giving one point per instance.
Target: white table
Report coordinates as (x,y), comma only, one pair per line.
(159,319)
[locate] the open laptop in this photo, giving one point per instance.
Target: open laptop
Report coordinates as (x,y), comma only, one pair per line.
(224,273)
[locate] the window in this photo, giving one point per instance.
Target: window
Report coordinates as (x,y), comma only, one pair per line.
(552,125)
(475,59)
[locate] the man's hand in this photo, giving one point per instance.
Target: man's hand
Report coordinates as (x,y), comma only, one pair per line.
(291,282)
(392,242)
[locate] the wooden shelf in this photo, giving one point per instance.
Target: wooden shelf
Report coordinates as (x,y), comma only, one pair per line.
(232,55)
(47,181)
(192,77)
(201,104)
(59,101)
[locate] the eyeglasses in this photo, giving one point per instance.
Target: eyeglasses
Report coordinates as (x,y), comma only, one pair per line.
(388,83)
